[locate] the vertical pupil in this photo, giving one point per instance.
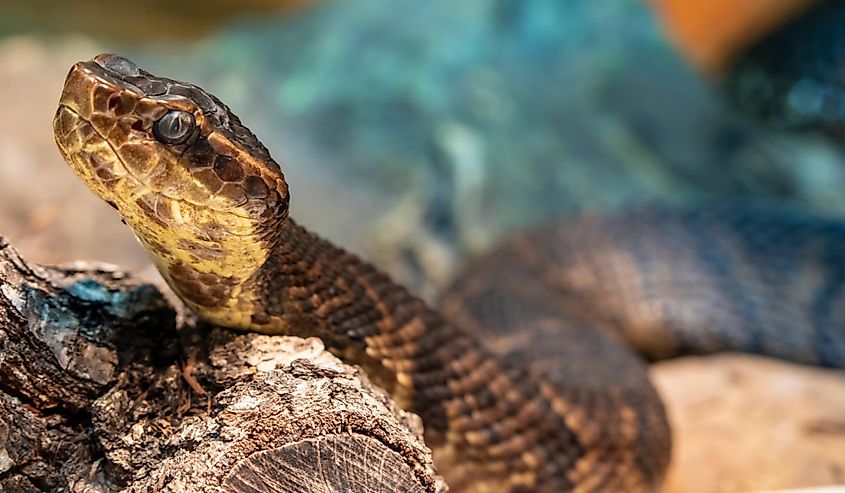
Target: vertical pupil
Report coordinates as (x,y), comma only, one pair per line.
(174,127)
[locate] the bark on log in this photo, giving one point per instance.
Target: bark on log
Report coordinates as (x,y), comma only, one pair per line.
(94,398)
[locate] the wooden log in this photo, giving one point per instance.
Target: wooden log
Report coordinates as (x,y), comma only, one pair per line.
(100,390)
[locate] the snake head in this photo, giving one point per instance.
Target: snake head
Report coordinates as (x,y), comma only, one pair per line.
(201,193)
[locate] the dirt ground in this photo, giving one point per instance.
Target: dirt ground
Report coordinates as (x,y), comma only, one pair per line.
(741,423)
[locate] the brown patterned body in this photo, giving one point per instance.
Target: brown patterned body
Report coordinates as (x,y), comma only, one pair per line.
(730,277)
(495,425)
(552,400)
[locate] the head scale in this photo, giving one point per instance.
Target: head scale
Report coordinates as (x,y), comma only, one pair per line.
(201,193)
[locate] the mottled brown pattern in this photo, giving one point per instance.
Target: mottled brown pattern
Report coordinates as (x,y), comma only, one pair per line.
(494,423)
(525,381)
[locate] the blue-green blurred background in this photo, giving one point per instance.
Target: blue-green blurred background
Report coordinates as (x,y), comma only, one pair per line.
(415,132)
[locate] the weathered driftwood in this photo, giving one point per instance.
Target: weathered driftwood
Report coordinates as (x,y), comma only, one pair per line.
(94,397)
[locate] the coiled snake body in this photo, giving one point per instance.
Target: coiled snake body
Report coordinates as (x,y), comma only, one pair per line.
(554,398)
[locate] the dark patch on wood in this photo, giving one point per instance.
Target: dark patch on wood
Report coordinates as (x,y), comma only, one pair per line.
(66,338)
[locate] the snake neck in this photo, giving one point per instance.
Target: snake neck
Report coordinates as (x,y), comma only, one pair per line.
(469,400)
(310,287)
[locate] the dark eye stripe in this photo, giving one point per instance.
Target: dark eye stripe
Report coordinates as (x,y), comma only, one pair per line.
(175,127)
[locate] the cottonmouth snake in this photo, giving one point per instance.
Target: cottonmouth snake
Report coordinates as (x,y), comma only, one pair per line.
(554,398)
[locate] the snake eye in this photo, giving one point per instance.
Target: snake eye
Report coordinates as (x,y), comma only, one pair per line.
(174,127)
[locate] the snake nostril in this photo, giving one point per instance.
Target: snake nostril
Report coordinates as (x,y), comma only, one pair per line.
(114,102)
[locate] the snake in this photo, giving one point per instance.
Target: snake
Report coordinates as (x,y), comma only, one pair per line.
(532,375)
